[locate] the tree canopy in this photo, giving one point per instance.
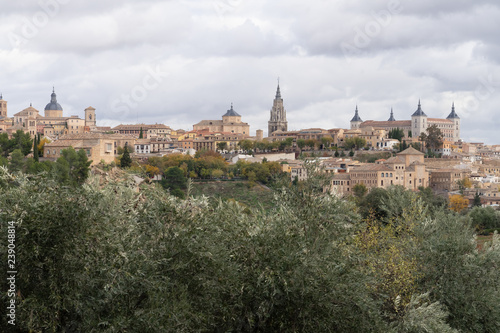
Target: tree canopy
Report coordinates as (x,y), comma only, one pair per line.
(112,259)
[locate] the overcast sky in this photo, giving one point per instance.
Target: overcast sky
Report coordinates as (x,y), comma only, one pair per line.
(178,62)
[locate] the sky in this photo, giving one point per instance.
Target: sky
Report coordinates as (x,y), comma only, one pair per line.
(179,62)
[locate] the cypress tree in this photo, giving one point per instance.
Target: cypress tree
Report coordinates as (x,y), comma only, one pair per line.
(140,134)
(35,148)
(126,160)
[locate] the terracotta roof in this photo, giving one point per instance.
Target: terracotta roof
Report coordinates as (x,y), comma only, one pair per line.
(137,127)
(439,120)
(410,151)
(396,123)
(372,167)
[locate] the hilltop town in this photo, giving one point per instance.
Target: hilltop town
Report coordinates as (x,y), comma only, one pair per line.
(415,153)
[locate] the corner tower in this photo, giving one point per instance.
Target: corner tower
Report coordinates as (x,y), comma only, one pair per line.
(418,122)
(53,109)
(456,123)
(3,107)
(277,121)
(356,120)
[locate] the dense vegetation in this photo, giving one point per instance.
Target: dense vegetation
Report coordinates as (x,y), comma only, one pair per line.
(110,259)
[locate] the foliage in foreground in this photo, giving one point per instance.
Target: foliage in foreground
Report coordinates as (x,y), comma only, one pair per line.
(113,260)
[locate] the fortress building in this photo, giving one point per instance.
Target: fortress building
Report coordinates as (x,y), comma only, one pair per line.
(450,127)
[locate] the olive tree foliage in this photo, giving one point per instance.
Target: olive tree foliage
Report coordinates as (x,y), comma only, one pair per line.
(110,259)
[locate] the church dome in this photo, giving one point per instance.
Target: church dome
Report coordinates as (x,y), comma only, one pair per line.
(231,112)
(53,105)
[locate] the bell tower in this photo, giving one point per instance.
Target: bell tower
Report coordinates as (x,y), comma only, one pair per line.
(90,120)
(277,121)
(3,107)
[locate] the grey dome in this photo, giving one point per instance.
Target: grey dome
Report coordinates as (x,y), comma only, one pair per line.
(231,112)
(356,115)
(419,111)
(453,114)
(53,105)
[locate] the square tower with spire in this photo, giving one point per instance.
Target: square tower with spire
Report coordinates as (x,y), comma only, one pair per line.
(278,121)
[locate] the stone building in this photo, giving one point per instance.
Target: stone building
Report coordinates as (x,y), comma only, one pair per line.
(53,123)
(406,169)
(97,146)
(148,130)
(277,121)
(230,123)
(450,127)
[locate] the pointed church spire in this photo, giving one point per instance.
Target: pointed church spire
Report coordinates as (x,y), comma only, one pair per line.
(419,111)
(356,115)
(453,114)
(278,92)
(391,118)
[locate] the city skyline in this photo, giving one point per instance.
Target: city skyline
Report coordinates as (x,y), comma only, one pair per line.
(180,62)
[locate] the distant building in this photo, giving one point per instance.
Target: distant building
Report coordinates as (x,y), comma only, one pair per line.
(148,130)
(230,123)
(277,121)
(98,146)
(406,169)
(53,123)
(450,127)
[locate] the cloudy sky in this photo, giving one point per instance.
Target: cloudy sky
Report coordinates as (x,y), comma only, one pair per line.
(178,62)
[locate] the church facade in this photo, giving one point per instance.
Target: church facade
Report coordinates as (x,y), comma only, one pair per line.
(418,124)
(230,123)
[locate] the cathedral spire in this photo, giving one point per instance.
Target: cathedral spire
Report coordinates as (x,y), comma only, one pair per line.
(278,92)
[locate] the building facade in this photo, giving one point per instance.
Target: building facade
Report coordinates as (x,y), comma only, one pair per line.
(230,123)
(450,127)
(53,123)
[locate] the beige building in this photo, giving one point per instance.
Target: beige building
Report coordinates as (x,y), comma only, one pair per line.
(446,179)
(406,169)
(53,123)
(207,140)
(148,130)
(450,127)
(97,146)
(230,123)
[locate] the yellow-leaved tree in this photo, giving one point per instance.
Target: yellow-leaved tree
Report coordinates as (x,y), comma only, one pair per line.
(458,203)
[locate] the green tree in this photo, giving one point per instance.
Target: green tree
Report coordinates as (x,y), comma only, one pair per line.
(485,218)
(354,143)
(141,135)
(221,146)
(359,190)
(326,141)
(5,144)
(396,133)
(22,141)
(301,143)
(477,200)
(174,179)
(35,149)
(246,145)
(16,161)
(432,137)
(125,160)
(72,167)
